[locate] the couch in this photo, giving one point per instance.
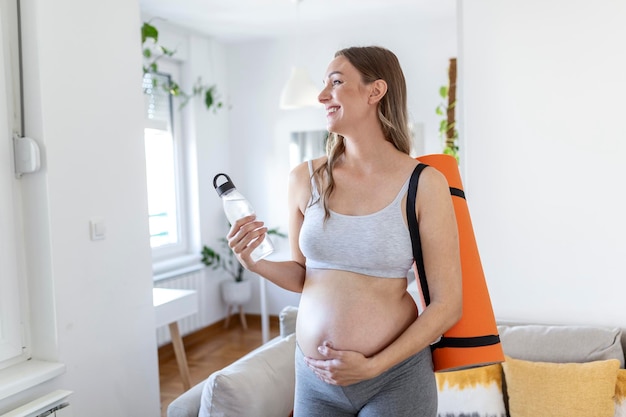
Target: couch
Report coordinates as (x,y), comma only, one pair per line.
(573,371)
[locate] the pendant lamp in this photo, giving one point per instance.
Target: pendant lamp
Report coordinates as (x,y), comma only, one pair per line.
(300,90)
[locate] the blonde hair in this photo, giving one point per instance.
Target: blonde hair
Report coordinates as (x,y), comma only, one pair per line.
(374,63)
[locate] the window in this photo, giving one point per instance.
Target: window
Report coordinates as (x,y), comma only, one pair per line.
(11,349)
(306,145)
(12,302)
(165,168)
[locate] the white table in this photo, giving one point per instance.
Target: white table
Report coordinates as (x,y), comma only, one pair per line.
(171,305)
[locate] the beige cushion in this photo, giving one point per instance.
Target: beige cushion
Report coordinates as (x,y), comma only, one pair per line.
(261,384)
(561,343)
(560,389)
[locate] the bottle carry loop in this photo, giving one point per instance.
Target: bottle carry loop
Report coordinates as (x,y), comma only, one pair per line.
(228,185)
(221,174)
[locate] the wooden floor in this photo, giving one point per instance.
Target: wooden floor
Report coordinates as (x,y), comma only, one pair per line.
(209,350)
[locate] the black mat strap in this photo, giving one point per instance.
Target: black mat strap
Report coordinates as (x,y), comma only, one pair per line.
(467,342)
(414,230)
(457,192)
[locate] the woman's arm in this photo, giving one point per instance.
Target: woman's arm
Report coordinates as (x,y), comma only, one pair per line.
(440,247)
(442,261)
(289,274)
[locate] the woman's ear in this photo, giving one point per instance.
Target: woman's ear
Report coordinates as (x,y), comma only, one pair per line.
(377,91)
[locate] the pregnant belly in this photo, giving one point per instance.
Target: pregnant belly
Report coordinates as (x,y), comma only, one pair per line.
(351,311)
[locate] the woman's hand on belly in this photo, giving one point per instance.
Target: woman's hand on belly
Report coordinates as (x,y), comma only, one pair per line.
(341,367)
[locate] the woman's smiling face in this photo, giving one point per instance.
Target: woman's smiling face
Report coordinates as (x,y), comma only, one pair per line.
(344,96)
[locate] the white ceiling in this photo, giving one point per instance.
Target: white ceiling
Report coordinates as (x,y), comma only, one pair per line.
(238,20)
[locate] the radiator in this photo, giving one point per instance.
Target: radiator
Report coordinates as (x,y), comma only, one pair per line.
(55,404)
(190,281)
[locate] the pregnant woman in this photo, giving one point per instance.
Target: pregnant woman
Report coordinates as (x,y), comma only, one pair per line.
(361,348)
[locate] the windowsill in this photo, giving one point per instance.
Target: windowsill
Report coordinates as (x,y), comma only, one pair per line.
(25,375)
(176,266)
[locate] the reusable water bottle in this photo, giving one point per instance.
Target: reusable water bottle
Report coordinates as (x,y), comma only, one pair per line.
(237,206)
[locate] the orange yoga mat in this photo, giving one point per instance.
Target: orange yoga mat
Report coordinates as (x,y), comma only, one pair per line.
(474,340)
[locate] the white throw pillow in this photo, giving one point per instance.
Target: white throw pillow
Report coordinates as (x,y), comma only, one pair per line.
(261,384)
(473,392)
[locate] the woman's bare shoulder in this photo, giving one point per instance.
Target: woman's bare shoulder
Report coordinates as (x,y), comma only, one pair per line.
(433,187)
(301,171)
(434,177)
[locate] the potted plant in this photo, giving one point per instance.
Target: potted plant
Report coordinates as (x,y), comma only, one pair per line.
(237,290)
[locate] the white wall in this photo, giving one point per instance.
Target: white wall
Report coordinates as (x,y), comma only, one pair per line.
(543,102)
(92,300)
(259,130)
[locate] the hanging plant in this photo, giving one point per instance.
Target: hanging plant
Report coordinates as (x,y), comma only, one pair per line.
(149,44)
(447,127)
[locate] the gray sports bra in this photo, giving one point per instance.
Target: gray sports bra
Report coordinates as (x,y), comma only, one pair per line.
(376,244)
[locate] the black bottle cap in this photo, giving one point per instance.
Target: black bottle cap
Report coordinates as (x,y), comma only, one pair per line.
(228,185)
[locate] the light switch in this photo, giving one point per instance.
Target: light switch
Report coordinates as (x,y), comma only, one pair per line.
(97,228)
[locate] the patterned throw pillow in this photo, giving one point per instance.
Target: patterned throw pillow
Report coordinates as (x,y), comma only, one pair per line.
(620,394)
(561,389)
(475,392)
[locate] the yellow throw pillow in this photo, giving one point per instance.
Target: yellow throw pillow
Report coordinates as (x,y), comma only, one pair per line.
(620,394)
(561,389)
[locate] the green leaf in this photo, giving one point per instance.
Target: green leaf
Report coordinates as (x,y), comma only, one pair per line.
(210,257)
(184,101)
(443,91)
(175,90)
(208,98)
(439,110)
(443,126)
(147,53)
(153,67)
(149,32)
(168,52)
(452,151)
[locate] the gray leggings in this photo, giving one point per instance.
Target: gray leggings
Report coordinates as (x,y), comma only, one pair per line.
(407,389)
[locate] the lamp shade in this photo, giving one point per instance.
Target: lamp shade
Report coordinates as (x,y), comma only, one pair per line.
(300,91)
